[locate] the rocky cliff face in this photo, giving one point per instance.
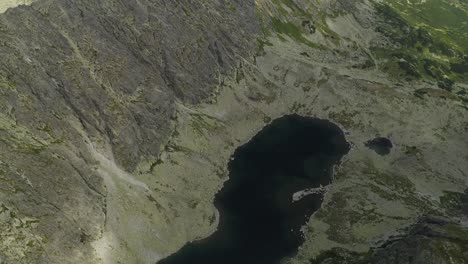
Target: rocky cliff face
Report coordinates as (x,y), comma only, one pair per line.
(86,84)
(118,119)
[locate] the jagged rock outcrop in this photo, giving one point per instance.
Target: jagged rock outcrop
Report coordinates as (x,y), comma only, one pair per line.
(430,240)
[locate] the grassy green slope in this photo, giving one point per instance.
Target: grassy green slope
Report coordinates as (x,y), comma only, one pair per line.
(432,37)
(445,20)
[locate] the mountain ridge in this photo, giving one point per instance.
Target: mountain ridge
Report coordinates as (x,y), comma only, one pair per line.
(118,119)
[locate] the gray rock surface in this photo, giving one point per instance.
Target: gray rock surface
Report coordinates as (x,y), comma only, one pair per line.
(118,118)
(84,77)
(429,241)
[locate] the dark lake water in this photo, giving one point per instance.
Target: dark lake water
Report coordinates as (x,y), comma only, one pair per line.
(380,145)
(259,222)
